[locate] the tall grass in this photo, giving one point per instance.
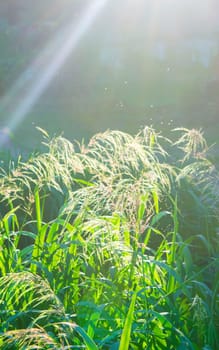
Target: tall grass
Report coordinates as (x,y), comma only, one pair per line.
(111,245)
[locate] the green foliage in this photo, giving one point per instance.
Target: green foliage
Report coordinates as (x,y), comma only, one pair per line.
(126,333)
(99,250)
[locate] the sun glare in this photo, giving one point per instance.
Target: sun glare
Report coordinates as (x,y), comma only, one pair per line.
(130,20)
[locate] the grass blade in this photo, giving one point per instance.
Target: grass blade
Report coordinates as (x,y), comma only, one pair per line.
(88,341)
(126,333)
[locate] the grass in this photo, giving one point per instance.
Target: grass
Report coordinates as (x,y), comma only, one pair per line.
(110,245)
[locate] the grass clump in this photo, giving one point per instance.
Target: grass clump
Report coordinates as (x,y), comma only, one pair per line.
(111,245)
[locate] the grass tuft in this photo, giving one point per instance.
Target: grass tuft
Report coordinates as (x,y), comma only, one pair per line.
(110,245)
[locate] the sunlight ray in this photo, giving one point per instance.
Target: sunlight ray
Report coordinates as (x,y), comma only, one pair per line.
(22,97)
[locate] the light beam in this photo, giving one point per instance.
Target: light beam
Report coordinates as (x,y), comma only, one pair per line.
(48,64)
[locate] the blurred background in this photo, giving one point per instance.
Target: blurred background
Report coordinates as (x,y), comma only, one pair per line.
(83,66)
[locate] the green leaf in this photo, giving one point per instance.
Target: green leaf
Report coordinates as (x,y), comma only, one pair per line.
(126,333)
(88,341)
